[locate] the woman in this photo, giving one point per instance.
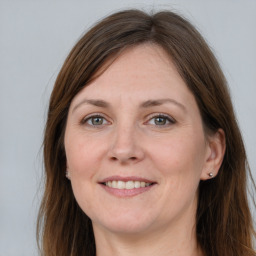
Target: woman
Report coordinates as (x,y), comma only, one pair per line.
(143,155)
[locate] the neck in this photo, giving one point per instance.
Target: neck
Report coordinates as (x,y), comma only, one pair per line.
(174,243)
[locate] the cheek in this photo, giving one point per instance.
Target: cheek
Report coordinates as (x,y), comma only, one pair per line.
(180,161)
(82,154)
(180,155)
(82,159)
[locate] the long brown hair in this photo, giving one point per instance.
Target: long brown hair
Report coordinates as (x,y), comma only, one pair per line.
(224,223)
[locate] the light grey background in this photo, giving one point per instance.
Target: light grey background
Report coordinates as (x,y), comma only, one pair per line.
(36,36)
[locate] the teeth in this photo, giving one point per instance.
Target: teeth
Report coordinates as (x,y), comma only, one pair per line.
(137,184)
(114,184)
(127,185)
(120,184)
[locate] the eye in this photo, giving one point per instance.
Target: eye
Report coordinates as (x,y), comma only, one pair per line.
(161,120)
(95,120)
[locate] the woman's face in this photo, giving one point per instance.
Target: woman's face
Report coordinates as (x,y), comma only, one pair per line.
(135,145)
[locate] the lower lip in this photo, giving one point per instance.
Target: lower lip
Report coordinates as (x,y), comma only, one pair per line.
(126,192)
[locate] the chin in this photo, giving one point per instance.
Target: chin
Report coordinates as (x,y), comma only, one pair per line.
(128,224)
(127,228)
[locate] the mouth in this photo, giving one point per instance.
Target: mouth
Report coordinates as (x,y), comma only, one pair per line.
(131,184)
(126,186)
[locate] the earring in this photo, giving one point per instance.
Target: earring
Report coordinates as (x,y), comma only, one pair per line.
(210,174)
(67,175)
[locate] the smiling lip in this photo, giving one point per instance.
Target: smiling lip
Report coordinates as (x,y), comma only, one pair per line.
(126,192)
(125,179)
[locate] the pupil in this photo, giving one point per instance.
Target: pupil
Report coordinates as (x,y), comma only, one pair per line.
(97,121)
(160,120)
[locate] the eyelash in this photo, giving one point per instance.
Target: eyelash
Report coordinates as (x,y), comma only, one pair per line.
(85,120)
(171,121)
(163,116)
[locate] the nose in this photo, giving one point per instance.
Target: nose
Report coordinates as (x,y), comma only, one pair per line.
(126,147)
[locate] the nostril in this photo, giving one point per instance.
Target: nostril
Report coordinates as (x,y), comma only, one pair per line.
(113,158)
(123,159)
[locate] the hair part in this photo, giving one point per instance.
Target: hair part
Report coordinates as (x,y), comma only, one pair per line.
(224,223)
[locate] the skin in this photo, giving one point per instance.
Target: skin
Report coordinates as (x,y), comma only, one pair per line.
(130,140)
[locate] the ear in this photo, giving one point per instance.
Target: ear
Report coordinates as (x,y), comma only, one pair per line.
(67,172)
(216,147)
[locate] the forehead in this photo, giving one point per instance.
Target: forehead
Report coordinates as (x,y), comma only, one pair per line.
(139,72)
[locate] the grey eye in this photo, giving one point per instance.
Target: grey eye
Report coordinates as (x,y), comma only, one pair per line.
(160,120)
(97,120)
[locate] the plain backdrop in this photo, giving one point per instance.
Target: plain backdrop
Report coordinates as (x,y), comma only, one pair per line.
(35,38)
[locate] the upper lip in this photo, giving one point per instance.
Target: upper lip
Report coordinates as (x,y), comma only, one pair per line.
(128,178)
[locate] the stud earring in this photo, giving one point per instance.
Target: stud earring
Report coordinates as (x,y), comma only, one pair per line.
(210,174)
(67,175)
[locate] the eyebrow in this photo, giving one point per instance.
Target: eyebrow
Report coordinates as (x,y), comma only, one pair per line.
(159,102)
(97,103)
(146,104)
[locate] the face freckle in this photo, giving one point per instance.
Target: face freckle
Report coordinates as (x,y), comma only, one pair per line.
(129,145)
